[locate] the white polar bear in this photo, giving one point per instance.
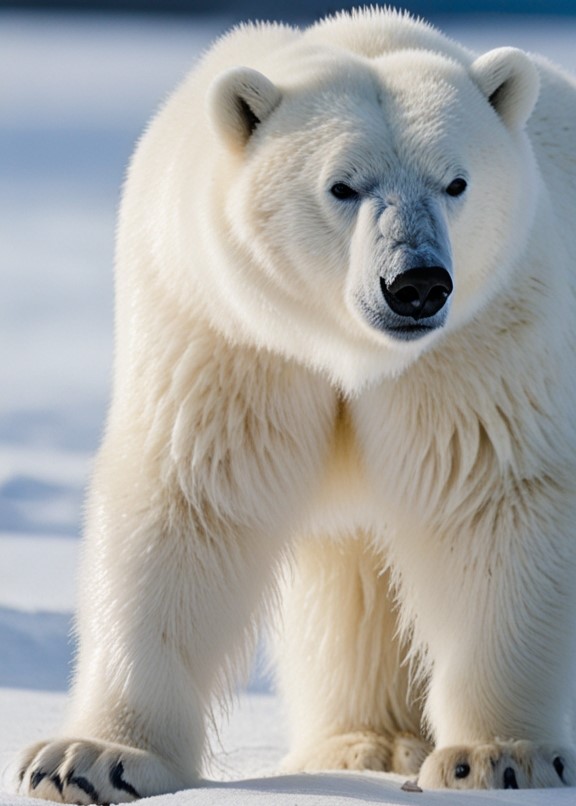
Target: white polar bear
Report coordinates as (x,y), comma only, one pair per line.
(345,347)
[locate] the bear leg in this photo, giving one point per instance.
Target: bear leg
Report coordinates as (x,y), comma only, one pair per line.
(492,605)
(342,668)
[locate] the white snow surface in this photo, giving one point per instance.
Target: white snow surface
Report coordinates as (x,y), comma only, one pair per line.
(75,93)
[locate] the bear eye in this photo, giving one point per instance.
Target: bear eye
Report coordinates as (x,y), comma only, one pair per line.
(462,770)
(342,191)
(457,187)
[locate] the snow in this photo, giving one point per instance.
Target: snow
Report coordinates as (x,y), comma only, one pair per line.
(75,97)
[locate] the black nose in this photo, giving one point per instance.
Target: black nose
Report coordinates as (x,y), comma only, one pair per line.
(418,292)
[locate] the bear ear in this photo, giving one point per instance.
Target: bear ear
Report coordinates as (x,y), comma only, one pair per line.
(239,100)
(509,80)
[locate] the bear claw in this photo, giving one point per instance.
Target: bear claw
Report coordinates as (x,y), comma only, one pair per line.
(509,779)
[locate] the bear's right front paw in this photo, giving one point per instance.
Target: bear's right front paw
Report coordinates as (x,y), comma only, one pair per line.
(86,772)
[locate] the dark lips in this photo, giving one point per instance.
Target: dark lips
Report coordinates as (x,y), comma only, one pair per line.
(410,332)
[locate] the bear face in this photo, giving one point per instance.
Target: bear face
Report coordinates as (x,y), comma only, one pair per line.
(368,195)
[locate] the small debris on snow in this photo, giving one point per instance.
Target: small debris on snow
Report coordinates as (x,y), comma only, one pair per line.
(411,786)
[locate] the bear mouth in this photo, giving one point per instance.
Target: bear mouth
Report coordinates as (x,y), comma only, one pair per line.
(409,332)
(400,328)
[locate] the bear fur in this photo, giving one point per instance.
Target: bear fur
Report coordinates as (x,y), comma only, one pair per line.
(345,378)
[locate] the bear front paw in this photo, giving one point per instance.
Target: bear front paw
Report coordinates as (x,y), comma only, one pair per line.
(361,750)
(87,772)
(499,765)
(357,750)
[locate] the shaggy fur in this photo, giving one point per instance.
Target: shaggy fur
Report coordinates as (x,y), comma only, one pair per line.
(409,495)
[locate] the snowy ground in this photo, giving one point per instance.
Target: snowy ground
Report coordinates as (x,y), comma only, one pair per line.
(75,94)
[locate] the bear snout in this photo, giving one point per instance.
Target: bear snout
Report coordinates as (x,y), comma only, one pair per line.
(419,292)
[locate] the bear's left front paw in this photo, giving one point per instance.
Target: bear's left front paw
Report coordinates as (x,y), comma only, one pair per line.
(499,765)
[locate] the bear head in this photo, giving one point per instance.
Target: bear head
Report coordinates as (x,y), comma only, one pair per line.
(376,204)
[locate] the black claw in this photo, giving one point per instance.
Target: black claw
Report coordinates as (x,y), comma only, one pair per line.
(510,781)
(117,781)
(558,764)
(36,778)
(84,784)
(57,781)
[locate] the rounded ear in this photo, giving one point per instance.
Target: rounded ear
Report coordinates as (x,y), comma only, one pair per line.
(509,80)
(238,101)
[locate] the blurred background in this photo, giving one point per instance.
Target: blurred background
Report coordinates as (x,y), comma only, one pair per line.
(78,81)
(303,9)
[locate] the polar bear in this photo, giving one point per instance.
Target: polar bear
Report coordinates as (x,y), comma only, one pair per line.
(344,375)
